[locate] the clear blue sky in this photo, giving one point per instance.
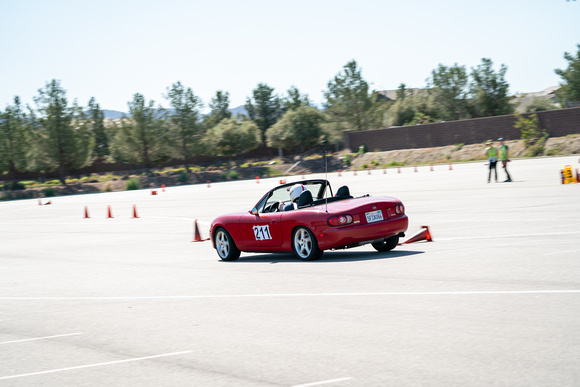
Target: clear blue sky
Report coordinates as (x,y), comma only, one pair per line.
(111,50)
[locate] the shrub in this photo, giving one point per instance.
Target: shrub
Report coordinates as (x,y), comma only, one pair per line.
(535,150)
(346,160)
(364,166)
(396,164)
(108,187)
(233,175)
(132,184)
(182,177)
(50,191)
(458,146)
(16,186)
(553,152)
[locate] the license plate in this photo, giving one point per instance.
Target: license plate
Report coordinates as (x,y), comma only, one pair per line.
(374,216)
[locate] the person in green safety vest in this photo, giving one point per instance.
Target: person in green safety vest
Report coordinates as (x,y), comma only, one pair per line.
(491,153)
(504,157)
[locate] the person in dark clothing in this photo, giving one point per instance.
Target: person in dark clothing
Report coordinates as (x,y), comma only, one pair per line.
(503,156)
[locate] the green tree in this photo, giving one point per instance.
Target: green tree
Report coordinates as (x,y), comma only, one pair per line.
(186,127)
(349,100)
(401,92)
(295,99)
(532,133)
(450,89)
(231,137)
(415,108)
(265,109)
(96,124)
(490,90)
(297,128)
(219,105)
(60,141)
(13,139)
(142,138)
(570,88)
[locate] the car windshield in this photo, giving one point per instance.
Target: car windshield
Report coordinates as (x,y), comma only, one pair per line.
(282,194)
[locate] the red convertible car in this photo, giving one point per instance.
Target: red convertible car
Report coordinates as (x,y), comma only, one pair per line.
(316,222)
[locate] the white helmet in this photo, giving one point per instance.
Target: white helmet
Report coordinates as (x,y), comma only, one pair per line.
(295,192)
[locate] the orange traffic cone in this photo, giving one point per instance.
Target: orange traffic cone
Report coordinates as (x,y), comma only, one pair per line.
(257,179)
(196,233)
(109,213)
(135,211)
(423,235)
(48,202)
(153,192)
(86,212)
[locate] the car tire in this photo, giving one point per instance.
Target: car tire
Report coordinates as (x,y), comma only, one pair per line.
(387,244)
(225,245)
(305,245)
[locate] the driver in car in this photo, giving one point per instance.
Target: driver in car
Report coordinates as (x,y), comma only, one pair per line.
(295,192)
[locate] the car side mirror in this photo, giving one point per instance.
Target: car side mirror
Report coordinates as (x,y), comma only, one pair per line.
(254,211)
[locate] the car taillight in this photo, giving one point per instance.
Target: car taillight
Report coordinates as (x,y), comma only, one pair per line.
(399,208)
(340,220)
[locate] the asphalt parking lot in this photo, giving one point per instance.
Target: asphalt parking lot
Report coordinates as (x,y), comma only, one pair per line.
(493,300)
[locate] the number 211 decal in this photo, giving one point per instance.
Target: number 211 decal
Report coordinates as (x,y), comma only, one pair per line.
(262,232)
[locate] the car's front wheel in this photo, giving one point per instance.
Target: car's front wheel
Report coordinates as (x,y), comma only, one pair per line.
(305,244)
(225,246)
(387,244)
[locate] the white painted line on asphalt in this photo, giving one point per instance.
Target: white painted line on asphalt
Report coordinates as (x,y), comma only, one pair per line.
(40,338)
(93,365)
(272,295)
(323,382)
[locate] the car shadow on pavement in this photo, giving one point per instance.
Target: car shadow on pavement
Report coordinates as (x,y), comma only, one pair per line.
(328,256)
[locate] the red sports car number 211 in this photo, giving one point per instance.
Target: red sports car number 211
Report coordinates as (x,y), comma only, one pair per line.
(314,222)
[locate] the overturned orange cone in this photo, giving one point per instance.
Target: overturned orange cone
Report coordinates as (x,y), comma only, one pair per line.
(423,235)
(196,233)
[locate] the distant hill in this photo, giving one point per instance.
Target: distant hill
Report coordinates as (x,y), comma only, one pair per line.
(114,114)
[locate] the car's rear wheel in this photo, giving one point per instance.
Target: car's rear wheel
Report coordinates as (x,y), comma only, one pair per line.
(387,244)
(305,244)
(225,246)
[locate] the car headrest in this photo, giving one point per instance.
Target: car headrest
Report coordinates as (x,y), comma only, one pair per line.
(343,191)
(305,198)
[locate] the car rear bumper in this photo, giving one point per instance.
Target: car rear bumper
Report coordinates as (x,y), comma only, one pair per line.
(339,237)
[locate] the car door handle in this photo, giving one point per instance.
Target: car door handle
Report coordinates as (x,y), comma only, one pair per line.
(273,221)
